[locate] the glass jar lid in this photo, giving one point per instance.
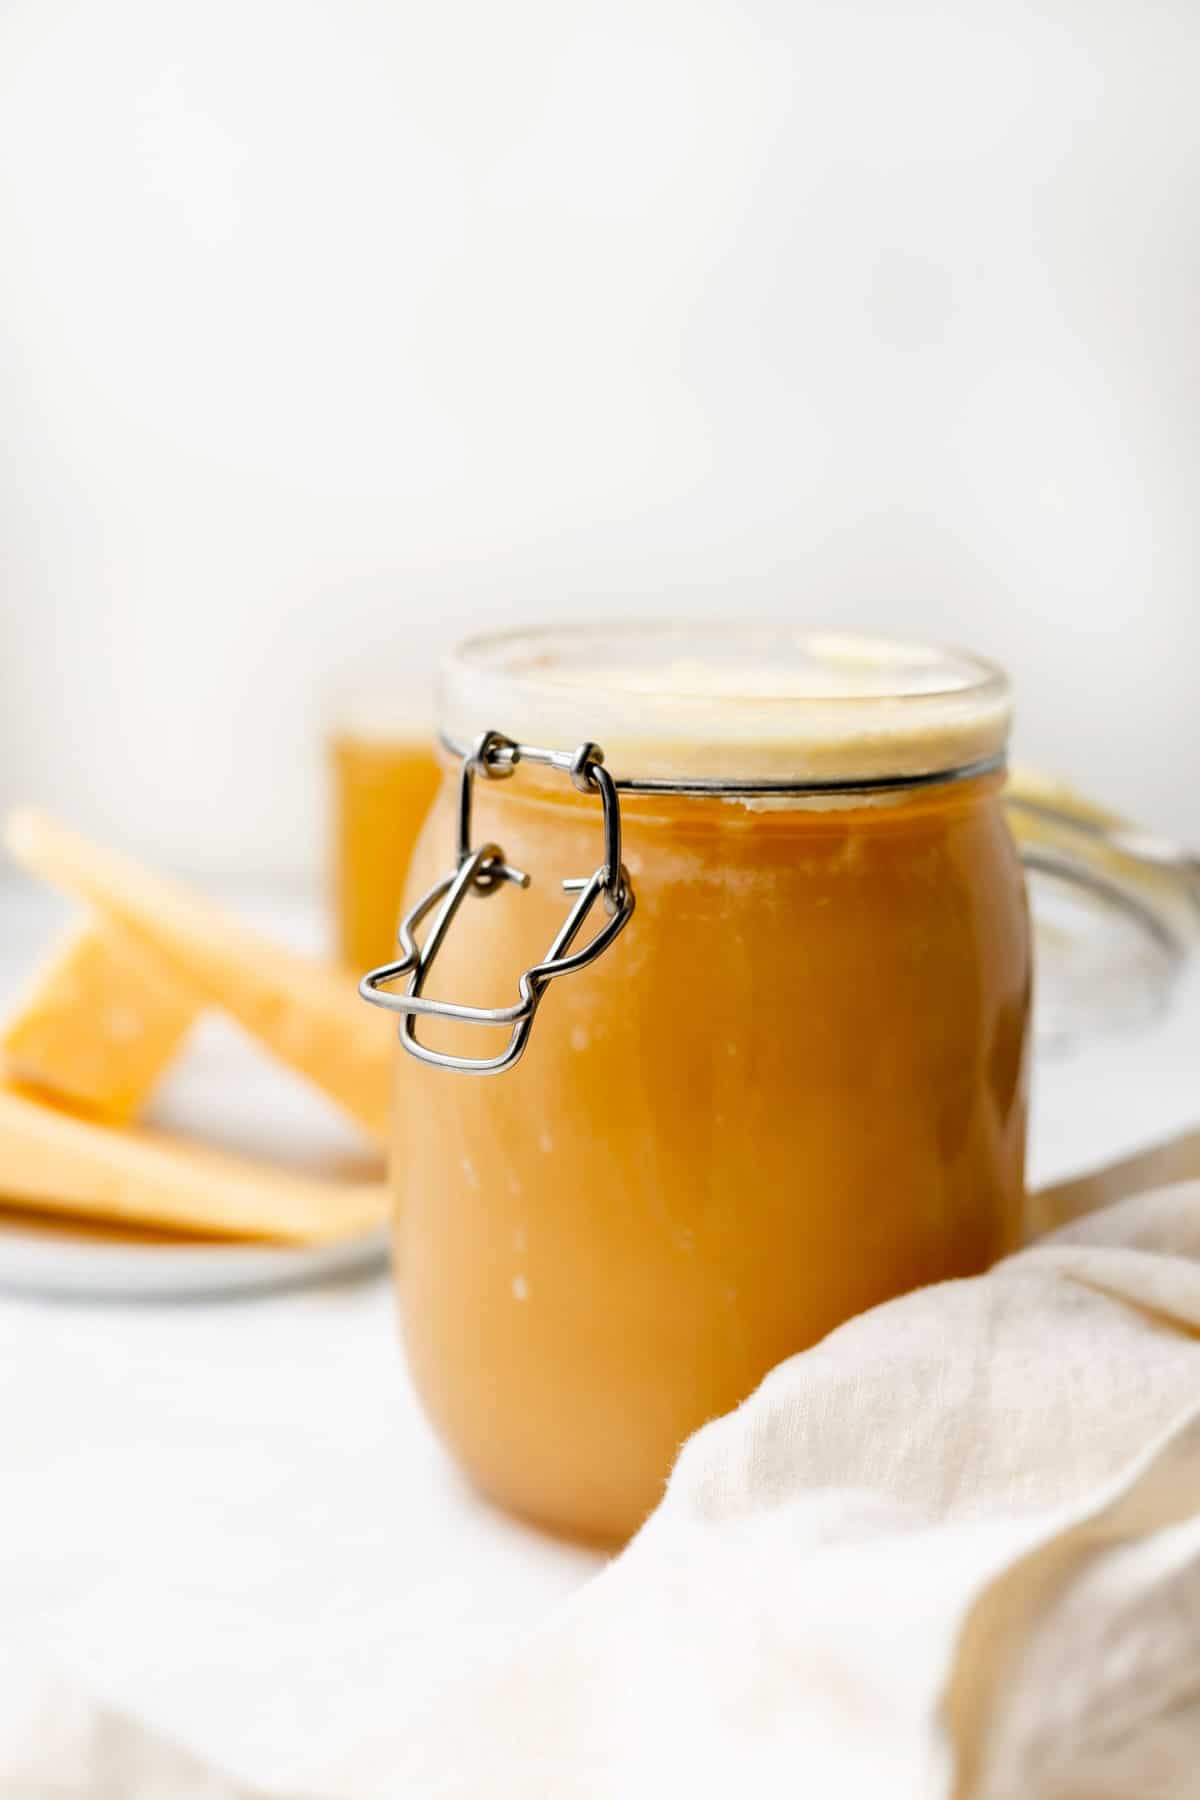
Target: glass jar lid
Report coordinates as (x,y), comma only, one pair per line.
(745,703)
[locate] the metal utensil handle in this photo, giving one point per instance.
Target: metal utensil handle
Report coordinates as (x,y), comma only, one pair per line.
(1150,851)
(1060,866)
(482,872)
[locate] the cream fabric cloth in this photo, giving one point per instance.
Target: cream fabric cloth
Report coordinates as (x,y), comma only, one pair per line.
(951,1553)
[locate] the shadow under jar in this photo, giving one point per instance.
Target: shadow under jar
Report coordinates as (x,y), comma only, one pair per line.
(792,1085)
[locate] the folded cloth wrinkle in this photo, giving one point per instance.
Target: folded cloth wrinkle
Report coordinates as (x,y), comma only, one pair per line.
(69,1746)
(952,1427)
(1086,1650)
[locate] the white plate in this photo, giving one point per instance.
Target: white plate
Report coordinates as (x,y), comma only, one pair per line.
(56,1261)
(223,1090)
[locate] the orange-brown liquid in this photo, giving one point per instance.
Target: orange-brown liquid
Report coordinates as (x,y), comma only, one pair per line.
(382,789)
(794,1087)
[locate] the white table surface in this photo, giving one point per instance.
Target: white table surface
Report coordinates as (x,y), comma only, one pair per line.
(230,1516)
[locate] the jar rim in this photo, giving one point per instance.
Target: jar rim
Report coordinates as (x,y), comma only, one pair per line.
(737,700)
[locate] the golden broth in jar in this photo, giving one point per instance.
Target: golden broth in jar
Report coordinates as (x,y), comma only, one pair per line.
(793,1086)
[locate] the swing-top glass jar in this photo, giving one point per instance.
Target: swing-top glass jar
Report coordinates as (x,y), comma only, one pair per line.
(761,1066)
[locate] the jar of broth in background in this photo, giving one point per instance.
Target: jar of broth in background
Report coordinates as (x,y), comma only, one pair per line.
(760,1064)
(383,777)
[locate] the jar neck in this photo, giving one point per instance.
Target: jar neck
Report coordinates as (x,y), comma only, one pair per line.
(818,794)
(684,807)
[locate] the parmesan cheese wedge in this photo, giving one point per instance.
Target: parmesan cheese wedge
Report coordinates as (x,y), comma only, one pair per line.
(51,1162)
(98,1023)
(306,1012)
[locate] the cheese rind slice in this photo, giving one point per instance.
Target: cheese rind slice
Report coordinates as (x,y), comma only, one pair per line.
(98,1023)
(305,1011)
(52,1162)
(1028,784)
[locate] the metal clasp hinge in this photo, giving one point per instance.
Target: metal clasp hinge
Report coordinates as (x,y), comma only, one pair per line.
(482,872)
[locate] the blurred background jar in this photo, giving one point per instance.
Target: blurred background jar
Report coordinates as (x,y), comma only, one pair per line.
(383,775)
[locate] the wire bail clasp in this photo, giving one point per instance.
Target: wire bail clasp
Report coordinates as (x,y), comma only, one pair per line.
(483,871)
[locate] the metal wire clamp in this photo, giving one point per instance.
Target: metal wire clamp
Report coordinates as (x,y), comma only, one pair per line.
(483,872)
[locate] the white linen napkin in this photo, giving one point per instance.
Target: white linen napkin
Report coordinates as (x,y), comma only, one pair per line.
(950,1553)
(66,1745)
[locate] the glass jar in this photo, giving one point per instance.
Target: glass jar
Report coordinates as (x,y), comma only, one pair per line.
(383,776)
(789,1083)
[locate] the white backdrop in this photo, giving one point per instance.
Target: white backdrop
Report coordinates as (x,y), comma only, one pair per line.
(333,328)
